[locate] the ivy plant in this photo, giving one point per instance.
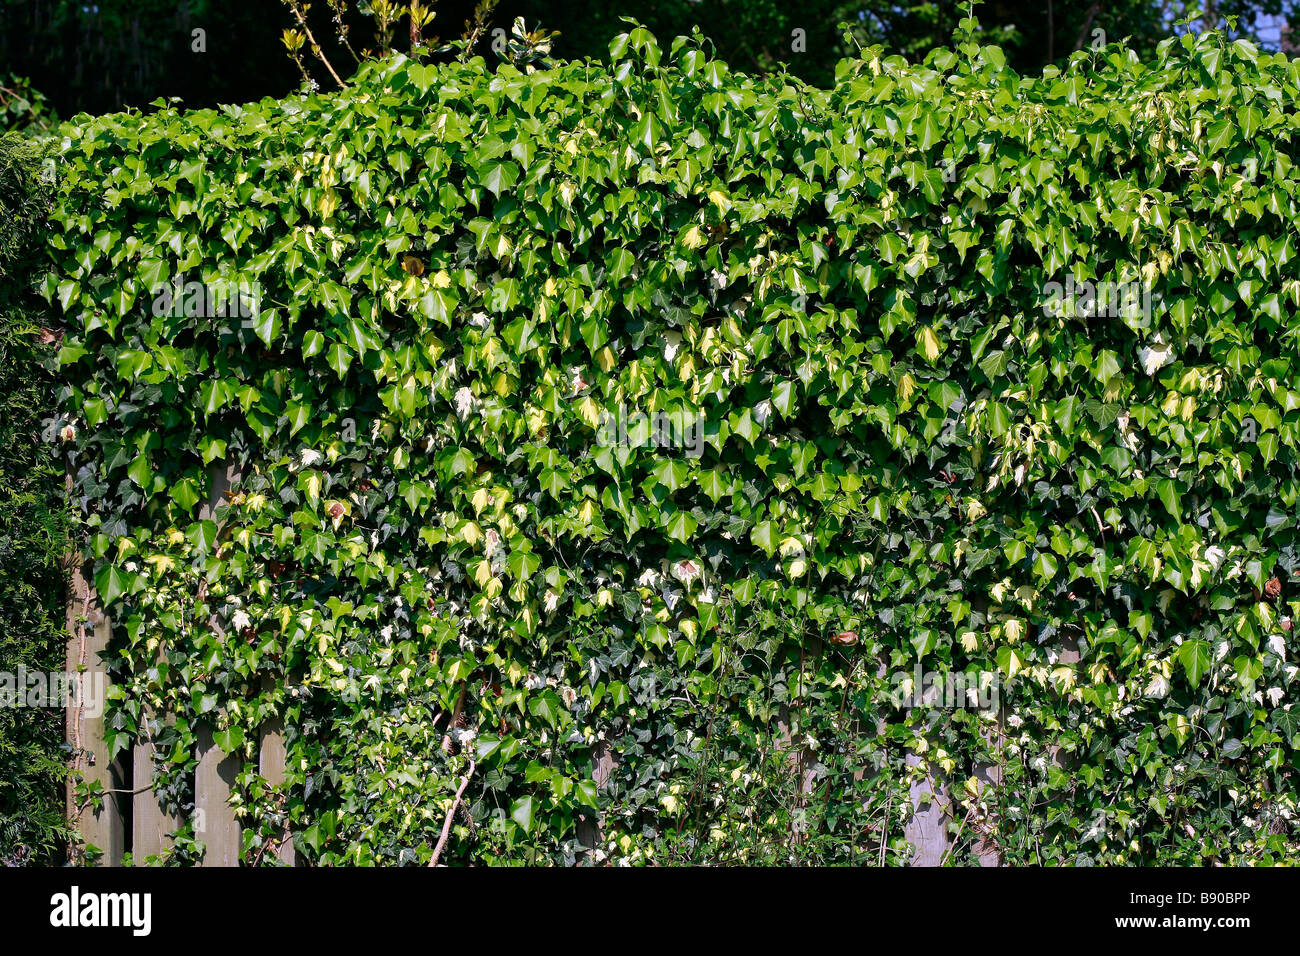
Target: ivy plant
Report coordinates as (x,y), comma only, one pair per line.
(995,374)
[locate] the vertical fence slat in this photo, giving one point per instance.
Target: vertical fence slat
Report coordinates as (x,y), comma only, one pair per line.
(988,775)
(271,765)
(801,760)
(214,777)
(151,827)
(927,830)
(214,780)
(88,635)
(591,828)
(1067,653)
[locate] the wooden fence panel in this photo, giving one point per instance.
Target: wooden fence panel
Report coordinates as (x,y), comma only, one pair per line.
(131,819)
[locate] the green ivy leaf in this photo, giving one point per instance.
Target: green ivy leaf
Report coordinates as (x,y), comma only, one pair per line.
(521,811)
(110,584)
(1196,656)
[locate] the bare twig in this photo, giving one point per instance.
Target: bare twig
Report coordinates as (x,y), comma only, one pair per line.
(341,28)
(482,13)
(884,836)
(315,47)
(451,815)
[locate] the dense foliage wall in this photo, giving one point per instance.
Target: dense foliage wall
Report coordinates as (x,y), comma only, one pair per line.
(33,539)
(456,549)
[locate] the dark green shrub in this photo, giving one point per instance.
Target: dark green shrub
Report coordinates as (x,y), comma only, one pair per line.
(33,521)
(23,108)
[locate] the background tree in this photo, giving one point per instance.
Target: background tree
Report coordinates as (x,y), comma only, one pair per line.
(104,55)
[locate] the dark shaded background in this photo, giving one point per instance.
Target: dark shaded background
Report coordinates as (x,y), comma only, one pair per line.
(102,55)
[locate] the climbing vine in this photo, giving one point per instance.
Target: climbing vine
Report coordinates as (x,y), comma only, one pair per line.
(993,376)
